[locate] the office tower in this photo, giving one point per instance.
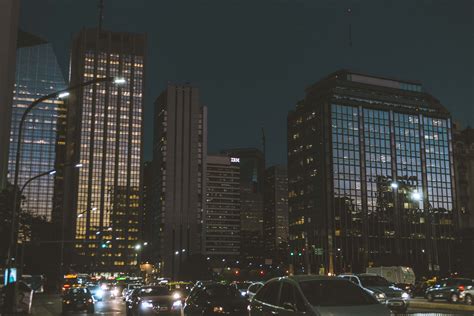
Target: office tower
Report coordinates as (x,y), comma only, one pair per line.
(252,168)
(464,169)
(370,176)
(275,211)
(101,200)
(9,13)
(148,216)
(179,149)
(221,231)
(37,74)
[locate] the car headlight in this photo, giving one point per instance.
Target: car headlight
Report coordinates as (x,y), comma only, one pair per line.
(380,296)
(218,309)
(99,293)
(147,305)
(405,296)
(114,292)
(67,301)
(177,304)
(176,296)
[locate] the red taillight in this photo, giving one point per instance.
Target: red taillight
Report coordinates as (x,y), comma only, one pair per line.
(461,288)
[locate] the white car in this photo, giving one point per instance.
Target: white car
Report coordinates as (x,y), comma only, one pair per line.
(467,295)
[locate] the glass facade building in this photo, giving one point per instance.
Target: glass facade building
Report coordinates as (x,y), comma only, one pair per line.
(371,175)
(104,133)
(37,74)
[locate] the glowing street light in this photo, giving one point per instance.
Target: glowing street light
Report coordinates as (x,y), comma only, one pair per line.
(416,196)
(394,185)
(63,95)
(138,247)
(120,80)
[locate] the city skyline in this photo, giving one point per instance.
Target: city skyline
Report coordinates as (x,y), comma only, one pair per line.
(236,64)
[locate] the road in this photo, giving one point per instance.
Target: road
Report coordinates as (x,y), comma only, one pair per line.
(48,305)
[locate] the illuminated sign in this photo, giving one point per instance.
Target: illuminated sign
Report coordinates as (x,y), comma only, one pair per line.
(234,159)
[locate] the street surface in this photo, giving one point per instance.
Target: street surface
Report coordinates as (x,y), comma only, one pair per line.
(47,305)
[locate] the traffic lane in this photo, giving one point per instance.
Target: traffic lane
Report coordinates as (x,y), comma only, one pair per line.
(432,312)
(51,305)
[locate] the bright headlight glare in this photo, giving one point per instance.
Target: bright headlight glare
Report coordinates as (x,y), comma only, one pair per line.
(405,296)
(147,305)
(176,296)
(177,304)
(218,309)
(99,293)
(380,295)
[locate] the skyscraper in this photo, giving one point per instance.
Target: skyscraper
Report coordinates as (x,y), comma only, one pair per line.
(221,231)
(37,74)
(275,210)
(252,169)
(9,13)
(370,175)
(104,133)
(179,149)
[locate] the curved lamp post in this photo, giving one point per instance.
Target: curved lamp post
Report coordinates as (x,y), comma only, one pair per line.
(58,94)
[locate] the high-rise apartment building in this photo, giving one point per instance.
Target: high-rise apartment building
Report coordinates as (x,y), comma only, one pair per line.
(221,227)
(252,169)
(9,14)
(370,175)
(37,74)
(275,209)
(179,150)
(104,133)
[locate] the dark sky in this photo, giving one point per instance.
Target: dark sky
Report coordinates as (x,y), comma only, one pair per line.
(252,59)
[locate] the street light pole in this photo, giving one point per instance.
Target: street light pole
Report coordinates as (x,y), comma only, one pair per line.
(57,94)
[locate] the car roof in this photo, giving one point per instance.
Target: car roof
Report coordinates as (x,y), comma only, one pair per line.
(302,278)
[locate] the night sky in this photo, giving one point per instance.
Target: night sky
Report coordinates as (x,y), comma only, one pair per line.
(252,59)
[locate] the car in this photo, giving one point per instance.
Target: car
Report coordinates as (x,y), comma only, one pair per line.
(314,295)
(253,288)
(78,299)
(96,291)
(448,289)
(242,287)
(467,295)
(153,300)
(384,291)
(215,299)
(128,290)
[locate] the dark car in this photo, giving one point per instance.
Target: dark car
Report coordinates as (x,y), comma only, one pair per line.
(242,287)
(448,289)
(152,300)
(216,299)
(314,295)
(78,299)
(384,291)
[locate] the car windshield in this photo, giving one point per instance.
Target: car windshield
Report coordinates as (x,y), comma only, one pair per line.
(78,292)
(222,291)
(373,280)
(154,291)
(335,293)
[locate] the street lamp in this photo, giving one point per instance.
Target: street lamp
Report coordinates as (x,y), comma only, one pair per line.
(394,185)
(58,94)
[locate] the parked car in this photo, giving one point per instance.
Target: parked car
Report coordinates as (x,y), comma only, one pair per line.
(448,289)
(215,299)
(153,300)
(384,291)
(253,288)
(467,295)
(314,295)
(78,299)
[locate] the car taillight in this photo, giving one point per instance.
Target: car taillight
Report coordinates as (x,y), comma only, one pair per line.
(461,288)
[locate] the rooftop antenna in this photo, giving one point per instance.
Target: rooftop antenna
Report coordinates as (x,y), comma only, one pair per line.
(349,13)
(264,146)
(101,14)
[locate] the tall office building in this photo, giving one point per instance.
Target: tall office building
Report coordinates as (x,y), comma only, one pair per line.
(179,149)
(464,167)
(9,14)
(275,210)
(252,169)
(221,227)
(37,74)
(104,133)
(148,215)
(370,175)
